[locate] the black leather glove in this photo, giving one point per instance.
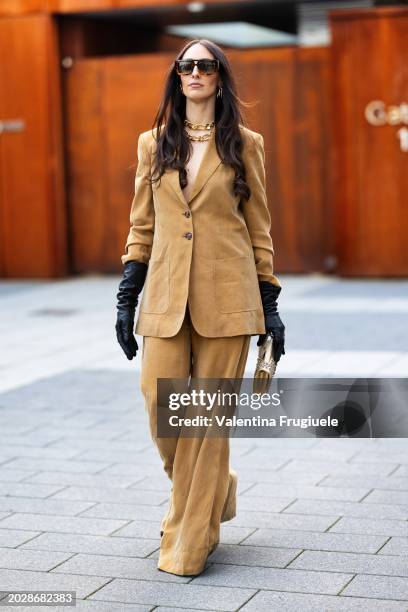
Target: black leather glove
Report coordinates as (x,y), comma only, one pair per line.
(273,323)
(134,275)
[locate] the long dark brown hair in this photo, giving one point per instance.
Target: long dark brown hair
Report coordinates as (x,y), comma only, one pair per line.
(173,147)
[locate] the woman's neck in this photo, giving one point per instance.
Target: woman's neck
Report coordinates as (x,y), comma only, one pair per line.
(200,113)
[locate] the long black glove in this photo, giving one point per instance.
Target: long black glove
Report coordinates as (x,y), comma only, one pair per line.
(134,275)
(273,323)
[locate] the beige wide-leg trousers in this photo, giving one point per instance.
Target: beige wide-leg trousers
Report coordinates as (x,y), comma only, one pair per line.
(197,466)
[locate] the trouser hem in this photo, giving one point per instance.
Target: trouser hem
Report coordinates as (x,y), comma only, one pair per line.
(185,563)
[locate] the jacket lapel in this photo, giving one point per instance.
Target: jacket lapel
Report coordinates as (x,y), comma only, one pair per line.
(208,165)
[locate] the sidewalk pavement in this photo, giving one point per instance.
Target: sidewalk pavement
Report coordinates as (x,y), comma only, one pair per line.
(322,524)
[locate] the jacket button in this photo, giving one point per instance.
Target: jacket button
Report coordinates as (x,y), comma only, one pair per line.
(187,213)
(188,235)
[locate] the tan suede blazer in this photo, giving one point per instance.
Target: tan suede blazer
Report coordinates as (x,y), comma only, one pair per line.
(210,251)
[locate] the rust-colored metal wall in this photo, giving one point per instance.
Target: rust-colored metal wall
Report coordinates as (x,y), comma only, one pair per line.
(370,50)
(336,183)
(33,237)
(109,101)
(15,7)
(292,89)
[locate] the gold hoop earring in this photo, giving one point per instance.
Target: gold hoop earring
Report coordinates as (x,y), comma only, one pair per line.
(219,92)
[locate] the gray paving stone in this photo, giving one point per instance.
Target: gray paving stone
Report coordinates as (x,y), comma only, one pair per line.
(348,444)
(320,492)
(82,443)
(43,506)
(14,475)
(39,419)
(94,422)
(387,497)
(273,462)
(84,420)
(40,522)
(138,529)
(381,587)
(109,430)
(48,453)
(395,546)
(312,477)
(87,606)
(275,579)
(38,438)
(154,482)
(136,471)
(401,472)
(268,601)
(59,465)
(260,504)
(379,456)
(112,494)
(279,444)
(371,526)
(20,580)
(15,537)
(96,545)
(341,542)
(127,457)
(284,521)
(388,483)
(351,562)
(117,567)
(125,511)
(167,609)
(249,555)
(243,486)
(25,489)
(330,455)
(58,431)
(92,480)
(188,596)
(16,428)
(357,509)
(336,467)
(391,443)
(234,535)
(12,558)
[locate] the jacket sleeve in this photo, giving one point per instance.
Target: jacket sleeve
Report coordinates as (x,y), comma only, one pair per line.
(256,212)
(142,218)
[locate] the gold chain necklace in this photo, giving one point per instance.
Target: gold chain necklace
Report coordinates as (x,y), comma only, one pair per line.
(199,126)
(201,137)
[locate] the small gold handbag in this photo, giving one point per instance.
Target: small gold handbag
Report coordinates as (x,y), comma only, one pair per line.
(265,366)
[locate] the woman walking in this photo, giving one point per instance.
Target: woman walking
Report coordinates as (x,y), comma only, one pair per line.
(200,246)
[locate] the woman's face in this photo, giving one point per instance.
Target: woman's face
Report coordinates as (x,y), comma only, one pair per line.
(208,82)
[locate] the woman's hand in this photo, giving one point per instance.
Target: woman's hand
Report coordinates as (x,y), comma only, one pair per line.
(124,332)
(134,275)
(273,322)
